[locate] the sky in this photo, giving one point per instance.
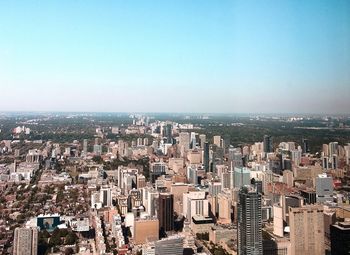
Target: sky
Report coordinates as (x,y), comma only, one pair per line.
(175,56)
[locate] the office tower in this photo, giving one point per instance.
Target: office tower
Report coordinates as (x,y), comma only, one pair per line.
(334,161)
(192,175)
(340,238)
(307,230)
(168,133)
(241,177)
(324,188)
(224,202)
(146,230)
(296,157)
(278,220)
(85,146)
(150,200)
(173,245)
(195,203)
(347,154)
(206,157)
(157,169)
(305,145)
(166,211)
(202,140)
(268,146)
(217,140)
(184,140)
(333,148)
(145,141)
(25,241)
(225,180)
(214,188)
(193,142)
(97,149)
(325,163)
(140,181)
(106,197)
(249,222)
(235,156)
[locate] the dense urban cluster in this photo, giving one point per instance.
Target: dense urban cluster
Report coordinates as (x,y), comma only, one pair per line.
(156,186)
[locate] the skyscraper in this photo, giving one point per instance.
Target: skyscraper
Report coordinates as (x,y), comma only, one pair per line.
(206,156)
(249,222)
(184,140)
(307,230)
(166,211)
(268,144)
(305,145)
(25,241)
(168,133)
(202,140)
(85,146)
(217,140)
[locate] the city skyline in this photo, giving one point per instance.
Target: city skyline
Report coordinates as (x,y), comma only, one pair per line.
(188,56)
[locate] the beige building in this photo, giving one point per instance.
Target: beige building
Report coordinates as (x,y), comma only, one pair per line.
(25,241)
(224,202)
(178,189)
(146,230)
(217,140)
(194,157)
(307,230)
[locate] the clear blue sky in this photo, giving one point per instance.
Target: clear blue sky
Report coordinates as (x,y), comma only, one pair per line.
(175,56)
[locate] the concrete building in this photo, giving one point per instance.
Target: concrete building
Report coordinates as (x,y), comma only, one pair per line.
(146,230)
(25,241)
(324,188)
(173,245)
(307,230)
(217,140)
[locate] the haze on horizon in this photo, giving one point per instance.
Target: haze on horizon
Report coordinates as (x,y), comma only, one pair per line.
(175,56)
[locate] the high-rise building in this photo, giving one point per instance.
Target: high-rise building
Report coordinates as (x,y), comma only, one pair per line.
(307,230)
(193,143)
(217,140)
(166,211)
(206,156)
(249,222)
(25,241)
(333,148)
(85,146)
(268,146)
(202,140)
(340,238)
(97,149)
(324,188)
(184,141)
(168,133)
(173,245)
(305,145)
(146,230)
(106,197)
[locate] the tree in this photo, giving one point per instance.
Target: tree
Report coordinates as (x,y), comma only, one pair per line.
(71,238)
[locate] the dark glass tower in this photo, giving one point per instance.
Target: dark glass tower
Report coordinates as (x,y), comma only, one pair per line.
(305,145)
(268,143)
(249,222)
(206,156)
(166,211)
